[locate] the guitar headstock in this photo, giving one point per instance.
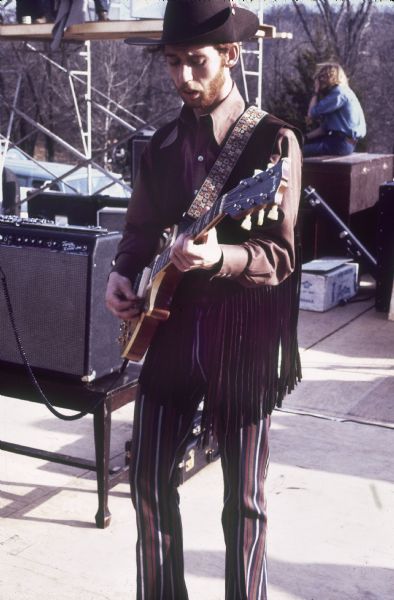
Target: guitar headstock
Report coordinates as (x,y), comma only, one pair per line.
(254,193)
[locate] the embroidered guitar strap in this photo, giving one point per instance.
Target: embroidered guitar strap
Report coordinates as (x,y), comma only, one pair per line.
(226,161)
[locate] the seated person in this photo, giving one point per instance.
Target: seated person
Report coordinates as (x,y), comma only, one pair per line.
(43,11)
(338,110)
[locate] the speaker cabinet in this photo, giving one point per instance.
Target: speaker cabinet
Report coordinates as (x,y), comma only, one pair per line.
(385,247)
(56,277)
(136,147)
(71,209)
(112,218)
(11,193)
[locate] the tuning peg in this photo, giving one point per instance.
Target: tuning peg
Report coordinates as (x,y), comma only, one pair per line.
(260,218)
(247,223)
(257,174)
(273,214)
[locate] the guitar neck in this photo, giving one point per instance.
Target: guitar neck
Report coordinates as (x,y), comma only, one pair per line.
(253,193)
(195,230)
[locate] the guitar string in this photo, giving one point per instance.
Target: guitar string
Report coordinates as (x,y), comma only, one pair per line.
(199,224)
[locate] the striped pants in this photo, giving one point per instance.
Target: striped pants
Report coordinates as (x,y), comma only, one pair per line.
(160,436)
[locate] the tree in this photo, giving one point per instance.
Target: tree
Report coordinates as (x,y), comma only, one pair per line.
(342,29)
(327,34)
(356,34)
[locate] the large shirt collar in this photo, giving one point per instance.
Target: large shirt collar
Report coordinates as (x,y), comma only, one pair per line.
(223,116)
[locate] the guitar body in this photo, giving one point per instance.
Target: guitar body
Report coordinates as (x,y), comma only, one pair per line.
(138,333)
(159,282)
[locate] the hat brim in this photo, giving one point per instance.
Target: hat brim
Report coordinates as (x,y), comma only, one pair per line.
(245,27)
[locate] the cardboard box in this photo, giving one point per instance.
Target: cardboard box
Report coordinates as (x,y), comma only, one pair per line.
(325,282)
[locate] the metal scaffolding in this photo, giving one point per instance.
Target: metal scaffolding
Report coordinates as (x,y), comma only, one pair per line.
(81,73)
(254,70)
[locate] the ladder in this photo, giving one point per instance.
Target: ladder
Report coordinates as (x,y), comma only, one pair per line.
(252,65)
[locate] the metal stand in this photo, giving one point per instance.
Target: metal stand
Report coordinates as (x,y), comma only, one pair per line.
(353,245)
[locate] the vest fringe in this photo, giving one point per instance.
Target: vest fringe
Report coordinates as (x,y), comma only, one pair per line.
(240,354)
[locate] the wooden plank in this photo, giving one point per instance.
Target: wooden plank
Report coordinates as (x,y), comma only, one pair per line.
(269,32)
(351,159)
(106,30)
(91,30)
(25,32)
(266,30)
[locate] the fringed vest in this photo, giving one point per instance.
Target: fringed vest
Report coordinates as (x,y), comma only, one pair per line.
(235,346)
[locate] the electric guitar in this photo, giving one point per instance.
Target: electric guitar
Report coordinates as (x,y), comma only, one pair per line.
(158,282)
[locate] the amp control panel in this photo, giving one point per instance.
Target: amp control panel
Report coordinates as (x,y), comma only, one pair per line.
(41,233)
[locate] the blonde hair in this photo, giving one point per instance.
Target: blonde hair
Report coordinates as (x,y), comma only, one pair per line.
(331,74)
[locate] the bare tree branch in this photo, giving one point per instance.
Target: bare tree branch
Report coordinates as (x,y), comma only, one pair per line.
(305,25)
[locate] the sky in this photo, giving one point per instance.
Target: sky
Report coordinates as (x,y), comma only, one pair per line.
(155,8)
(123,9)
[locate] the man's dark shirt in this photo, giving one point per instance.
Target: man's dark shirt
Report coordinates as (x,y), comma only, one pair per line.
(182,154)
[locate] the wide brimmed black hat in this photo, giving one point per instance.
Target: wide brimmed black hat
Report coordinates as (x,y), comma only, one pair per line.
(203,22)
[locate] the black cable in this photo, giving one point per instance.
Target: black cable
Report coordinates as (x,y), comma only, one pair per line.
(356,300)
(337,329)
(337,419)
(32,377)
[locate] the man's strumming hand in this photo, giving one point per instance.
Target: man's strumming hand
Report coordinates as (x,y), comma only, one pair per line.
(120,298)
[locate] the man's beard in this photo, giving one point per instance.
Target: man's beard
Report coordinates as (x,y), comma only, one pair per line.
(207,97)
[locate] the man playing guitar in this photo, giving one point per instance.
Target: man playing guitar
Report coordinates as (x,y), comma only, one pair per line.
(230,337)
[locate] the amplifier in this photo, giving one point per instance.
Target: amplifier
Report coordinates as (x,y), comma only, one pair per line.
(385,247)
(112,218)
(56,277)
(11,193)
(136,147)
(71,209)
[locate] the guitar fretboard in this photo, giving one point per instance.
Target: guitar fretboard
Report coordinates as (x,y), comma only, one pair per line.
(193,230)
(263,189)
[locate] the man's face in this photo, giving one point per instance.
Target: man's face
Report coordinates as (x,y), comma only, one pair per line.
(199,74)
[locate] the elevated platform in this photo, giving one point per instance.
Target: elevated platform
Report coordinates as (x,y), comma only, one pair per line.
(92,30)
(107,30)
(349,183)
(350,186)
